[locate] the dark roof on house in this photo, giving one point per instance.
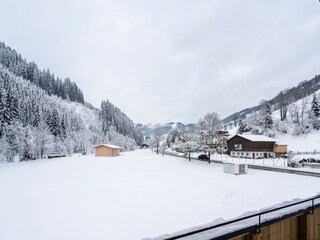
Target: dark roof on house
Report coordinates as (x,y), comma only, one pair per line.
(255,138)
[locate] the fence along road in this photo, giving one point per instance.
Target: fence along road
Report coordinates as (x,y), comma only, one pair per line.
(259,167)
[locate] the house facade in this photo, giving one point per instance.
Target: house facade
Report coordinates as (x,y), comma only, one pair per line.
(216,141)
(107,150)
(220,141)
(251,146)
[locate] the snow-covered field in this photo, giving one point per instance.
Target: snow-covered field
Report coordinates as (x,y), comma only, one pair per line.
(133,196)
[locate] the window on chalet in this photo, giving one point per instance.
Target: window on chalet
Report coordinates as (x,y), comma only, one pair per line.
(238,147)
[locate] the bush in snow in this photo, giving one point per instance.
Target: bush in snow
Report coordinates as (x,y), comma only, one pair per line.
(281,126)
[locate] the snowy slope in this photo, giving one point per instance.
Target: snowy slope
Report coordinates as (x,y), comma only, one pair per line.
(134,196)
(308,141)
(303,143)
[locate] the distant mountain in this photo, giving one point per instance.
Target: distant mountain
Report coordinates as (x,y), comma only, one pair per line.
(147,130)
(237,115)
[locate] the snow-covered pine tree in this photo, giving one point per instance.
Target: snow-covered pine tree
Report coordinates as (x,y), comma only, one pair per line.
(242,126)
(315,108)
(2,111)
(36,114)
(11,113)
(54,123)
(315,112)
(268,122)
(63,130)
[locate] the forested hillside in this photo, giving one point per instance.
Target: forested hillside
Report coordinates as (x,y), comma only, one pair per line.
(294,111)
(36,122)
(281,100)
(66,89)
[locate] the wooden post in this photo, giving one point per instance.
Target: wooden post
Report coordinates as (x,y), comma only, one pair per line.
(302,231)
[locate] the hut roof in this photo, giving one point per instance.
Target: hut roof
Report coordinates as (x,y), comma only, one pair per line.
(107,145)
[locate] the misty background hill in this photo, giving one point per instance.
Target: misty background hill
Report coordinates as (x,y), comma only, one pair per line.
(148,129)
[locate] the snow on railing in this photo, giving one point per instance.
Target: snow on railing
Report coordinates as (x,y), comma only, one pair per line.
(251,222)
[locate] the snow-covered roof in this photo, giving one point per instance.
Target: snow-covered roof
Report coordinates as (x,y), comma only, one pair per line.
(107,145)
(257,138)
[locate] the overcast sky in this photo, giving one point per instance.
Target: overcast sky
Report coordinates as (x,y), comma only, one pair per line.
(169,60)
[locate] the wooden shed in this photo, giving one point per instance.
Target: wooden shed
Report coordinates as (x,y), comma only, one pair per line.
(107,150)
(280,149)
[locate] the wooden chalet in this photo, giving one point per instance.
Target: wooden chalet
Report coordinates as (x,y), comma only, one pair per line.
(254,147)
(107,150)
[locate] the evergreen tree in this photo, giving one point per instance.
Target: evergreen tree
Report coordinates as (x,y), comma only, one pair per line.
(11,113)
(36,115)
(242,126)
(268,122)
(315,106)
(2,112)
(54,123)
(63,132)
(315,113)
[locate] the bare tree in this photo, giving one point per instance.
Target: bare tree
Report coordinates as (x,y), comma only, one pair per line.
(157,133)
(208,125)
(298,114)
(304,102)
(210,122)
(283,103)
(294,113)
